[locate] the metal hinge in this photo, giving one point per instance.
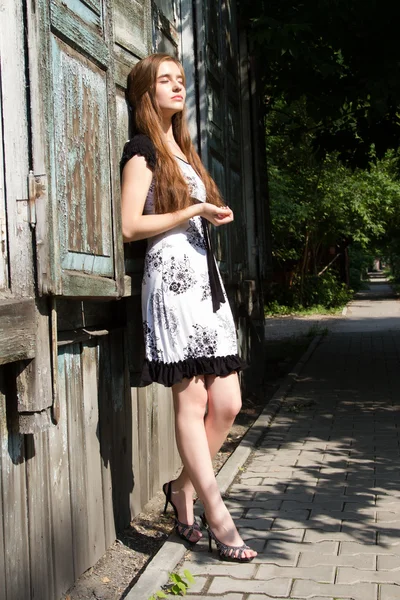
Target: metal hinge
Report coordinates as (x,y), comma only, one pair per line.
(36,188)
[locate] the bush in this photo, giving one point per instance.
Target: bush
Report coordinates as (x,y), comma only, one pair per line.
(324,292)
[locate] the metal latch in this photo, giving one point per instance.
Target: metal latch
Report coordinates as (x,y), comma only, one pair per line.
(36,188)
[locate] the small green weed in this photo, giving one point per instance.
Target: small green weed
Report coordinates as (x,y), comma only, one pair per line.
(178,586)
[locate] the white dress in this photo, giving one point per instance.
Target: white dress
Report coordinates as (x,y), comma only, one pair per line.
(184,337)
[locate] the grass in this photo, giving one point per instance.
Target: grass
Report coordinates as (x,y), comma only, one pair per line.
(280,310)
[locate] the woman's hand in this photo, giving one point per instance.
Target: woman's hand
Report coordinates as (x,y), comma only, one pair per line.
(217,215)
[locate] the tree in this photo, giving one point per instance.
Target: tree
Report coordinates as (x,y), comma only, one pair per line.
(342,58)
(317,204)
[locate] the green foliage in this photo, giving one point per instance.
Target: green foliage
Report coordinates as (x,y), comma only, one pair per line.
(312,295)
(320,209)
(333,54)
(178,586)
(361,260)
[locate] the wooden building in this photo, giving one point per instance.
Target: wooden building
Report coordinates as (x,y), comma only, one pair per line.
(82,448)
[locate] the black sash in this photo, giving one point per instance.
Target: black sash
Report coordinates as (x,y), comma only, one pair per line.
(217,293)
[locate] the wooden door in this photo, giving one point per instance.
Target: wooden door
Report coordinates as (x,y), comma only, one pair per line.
(17,307)
(218,66)
(166,26)
(79,241)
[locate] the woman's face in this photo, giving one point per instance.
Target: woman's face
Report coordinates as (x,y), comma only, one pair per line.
(170,90)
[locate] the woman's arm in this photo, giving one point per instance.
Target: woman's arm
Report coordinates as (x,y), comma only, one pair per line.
(136,181)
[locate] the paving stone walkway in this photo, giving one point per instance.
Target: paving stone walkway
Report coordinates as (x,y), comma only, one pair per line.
(320,497)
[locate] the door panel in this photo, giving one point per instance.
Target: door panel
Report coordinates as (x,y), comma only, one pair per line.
(166,26)
(85,242)
(219,69)
(82,178)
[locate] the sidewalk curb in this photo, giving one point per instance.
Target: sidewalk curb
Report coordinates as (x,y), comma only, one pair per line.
(157,572)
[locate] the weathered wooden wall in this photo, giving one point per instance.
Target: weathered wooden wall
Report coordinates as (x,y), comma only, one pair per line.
(65,492)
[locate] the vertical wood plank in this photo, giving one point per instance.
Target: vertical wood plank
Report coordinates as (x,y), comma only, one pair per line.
(2,540)
(135,494)
(106,440)
(95,505)
(77,470)
(154,442)
(60,488)
(144,419)
(40,533)
(15,139)
(14,506)
(121,463)
(4,283)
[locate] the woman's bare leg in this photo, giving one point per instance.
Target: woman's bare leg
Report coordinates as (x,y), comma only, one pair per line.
(196,440)
(182,489)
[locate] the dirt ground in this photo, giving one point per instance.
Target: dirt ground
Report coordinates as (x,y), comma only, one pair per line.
(115,573)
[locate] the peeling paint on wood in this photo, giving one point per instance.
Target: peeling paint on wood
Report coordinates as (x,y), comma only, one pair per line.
(132,26)
(83,185)
(14,162)
(17,330)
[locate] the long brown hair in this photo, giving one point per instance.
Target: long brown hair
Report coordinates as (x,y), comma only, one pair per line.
(171,191)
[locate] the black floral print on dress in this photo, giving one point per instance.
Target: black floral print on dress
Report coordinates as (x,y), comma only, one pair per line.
(178,276)
(203,342)
(153,262)
(228,329)
(205,287)
(164,317)
(195,234)
(151,343)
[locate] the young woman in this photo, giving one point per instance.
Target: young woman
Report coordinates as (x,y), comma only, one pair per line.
(169,198)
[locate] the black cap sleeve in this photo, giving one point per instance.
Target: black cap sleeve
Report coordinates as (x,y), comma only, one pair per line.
(142,145)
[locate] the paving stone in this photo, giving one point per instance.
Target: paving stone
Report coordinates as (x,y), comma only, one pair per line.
(276,587)
(357,548)
(328,504)
(262,524)
(245,479)
(259,513)
(224,597)
(199,582)
(351,576)
(293,535)
(345,516)
(388,503)
(323,523)
(275,548)
(360,508)
(389,592)
(364,561)
(367,537)
(386,563)
(265,595)
(287,560)
(389,539)
(307,462)
(297,496)
(266,467)
(207,565)
(310,589)
(323,574)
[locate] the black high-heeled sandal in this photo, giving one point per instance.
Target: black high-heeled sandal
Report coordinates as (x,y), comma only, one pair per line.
(184,530)
(228,553)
